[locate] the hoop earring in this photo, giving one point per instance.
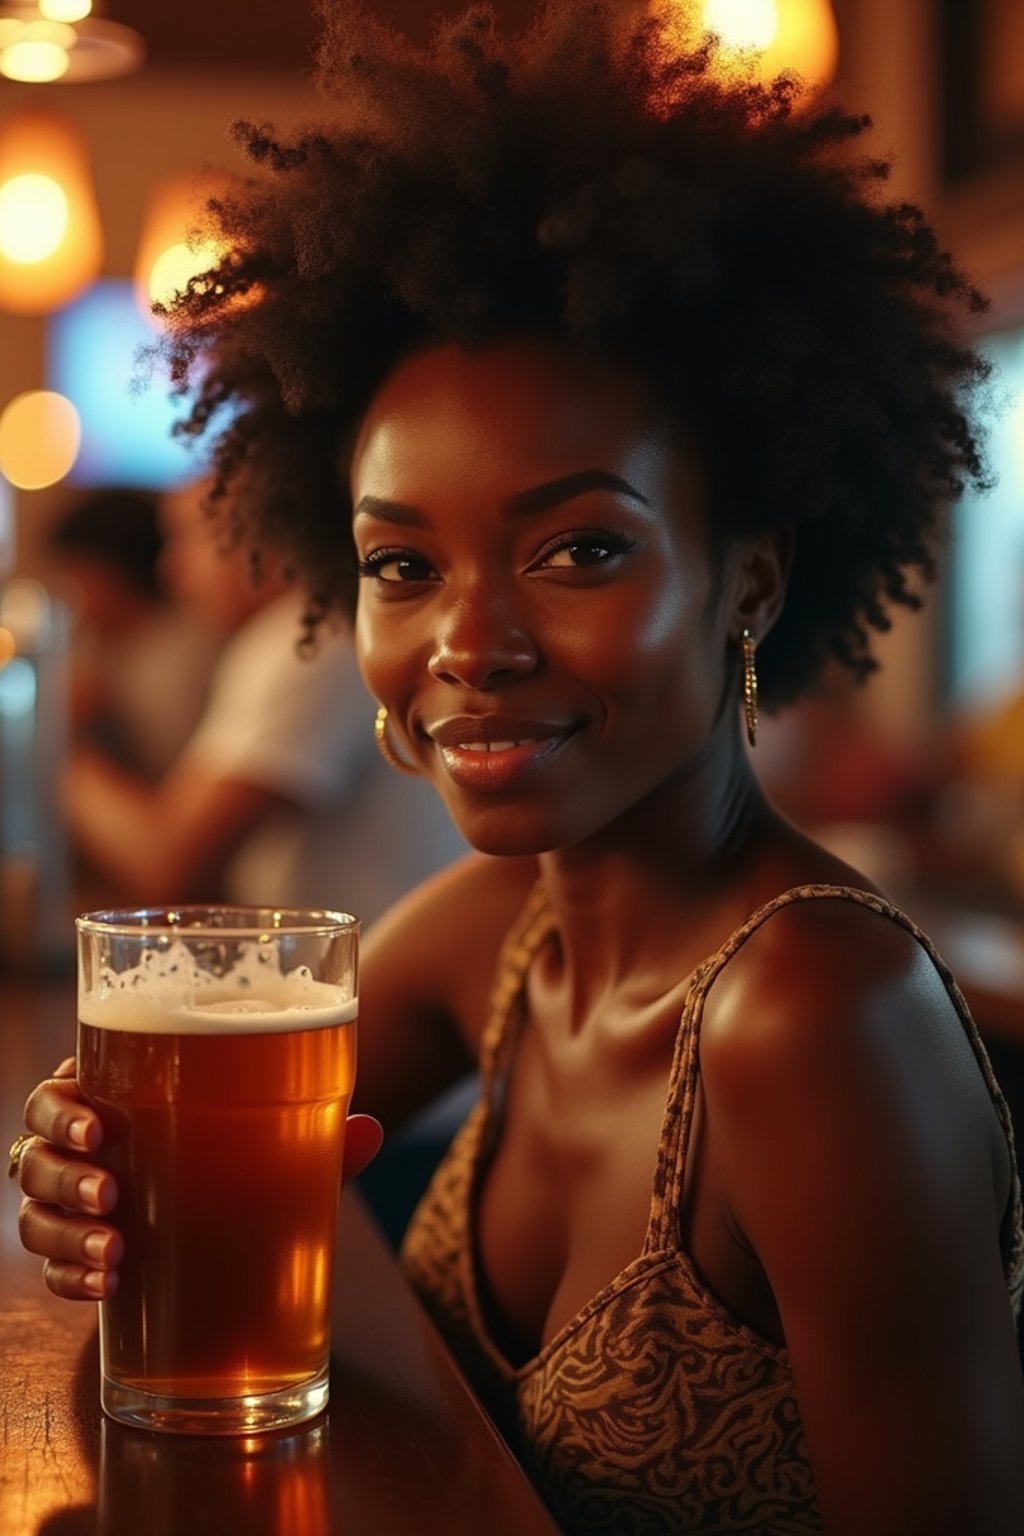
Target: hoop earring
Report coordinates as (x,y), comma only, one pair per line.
(749,648)
(384,747)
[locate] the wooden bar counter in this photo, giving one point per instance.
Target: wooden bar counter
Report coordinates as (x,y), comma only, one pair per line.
(403,1446)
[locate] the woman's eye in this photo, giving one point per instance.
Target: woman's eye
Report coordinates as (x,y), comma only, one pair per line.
(580,551)
(395,567)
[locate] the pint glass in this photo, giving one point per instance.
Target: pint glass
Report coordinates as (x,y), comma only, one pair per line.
(217,1045)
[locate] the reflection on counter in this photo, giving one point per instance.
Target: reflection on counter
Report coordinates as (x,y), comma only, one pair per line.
(264,1485)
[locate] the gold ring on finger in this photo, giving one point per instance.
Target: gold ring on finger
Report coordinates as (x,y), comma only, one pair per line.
(16,1153)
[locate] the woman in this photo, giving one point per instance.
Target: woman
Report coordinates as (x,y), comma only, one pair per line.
(644,403)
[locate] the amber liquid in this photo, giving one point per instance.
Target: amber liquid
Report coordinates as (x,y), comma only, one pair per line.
(227,1151)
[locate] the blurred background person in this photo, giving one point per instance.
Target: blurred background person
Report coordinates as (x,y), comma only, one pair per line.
(140,662)
(832,771)
(279,797)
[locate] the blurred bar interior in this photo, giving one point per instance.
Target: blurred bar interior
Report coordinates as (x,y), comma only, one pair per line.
(113,124)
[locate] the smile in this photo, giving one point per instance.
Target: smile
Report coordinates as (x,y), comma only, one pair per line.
(498,746)
(493,754)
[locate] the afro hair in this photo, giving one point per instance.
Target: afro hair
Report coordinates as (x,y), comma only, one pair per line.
(601,179)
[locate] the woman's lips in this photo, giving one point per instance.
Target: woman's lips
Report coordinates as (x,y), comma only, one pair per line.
(493,754)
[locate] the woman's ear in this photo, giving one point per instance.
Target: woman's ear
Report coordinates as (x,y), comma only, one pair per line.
(760,578)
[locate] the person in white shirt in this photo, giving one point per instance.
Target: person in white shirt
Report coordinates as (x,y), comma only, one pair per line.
(280,796)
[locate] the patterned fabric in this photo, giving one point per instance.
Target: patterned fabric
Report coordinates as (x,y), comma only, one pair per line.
(654,1411)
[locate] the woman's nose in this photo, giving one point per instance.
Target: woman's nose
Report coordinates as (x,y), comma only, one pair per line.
(481,643)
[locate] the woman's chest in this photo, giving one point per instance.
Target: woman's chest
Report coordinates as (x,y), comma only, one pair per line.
(564,1200)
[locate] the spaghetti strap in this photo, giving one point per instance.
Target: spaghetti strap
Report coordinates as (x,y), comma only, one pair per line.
(520,945)
(663,1226)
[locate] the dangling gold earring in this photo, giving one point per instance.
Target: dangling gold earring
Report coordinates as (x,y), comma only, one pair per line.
(384,747)
(749,646)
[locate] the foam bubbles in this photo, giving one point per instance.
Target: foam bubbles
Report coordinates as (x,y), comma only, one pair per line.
(242,991)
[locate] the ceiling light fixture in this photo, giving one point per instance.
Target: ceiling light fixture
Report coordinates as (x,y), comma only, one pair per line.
(48,41)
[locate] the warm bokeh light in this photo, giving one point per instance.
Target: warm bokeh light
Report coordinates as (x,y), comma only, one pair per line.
(33,217)
(62,40)
(57,32)
(172,270)
(8,646)
(40,435)
(172,249)
(777,35)
(65,10)
(34,62)
(743,23)
(50,237)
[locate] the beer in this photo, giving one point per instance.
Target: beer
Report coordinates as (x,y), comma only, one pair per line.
(223,1116)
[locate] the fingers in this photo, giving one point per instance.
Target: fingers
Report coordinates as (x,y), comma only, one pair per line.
(56,1179)
(65,1194)
(80,1254)
(74,1283)
(363,1138)
(57,1112)
(58,1221)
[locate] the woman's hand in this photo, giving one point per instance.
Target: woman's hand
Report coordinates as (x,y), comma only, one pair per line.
(67,1195)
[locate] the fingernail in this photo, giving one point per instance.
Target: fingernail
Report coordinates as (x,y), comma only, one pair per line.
(95,1281)
(78,1133)
(94,1246)
(89,1189)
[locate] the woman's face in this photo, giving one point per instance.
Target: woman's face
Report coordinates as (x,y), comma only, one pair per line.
(538,608)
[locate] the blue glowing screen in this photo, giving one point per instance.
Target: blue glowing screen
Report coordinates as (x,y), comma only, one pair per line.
(988,563)
(93,359)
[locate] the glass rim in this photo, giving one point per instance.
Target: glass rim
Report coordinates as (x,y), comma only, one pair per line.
(234,921)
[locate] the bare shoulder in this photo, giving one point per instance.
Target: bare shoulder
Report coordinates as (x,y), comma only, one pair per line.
(830,1038)
(834,1059)
(439,943)
(830,978)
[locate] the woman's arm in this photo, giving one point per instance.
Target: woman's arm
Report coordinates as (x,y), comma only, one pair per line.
(426,970)
(162,842)
(862,1157)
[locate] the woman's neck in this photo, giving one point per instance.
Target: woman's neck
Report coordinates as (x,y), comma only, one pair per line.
(625,899)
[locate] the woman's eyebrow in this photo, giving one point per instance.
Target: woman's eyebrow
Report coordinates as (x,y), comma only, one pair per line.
(384,511)
(539,498)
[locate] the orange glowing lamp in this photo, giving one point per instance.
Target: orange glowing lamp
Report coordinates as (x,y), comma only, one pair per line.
(776,35)
(50,240)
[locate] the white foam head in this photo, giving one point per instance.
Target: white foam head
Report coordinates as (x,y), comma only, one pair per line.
(169,993)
